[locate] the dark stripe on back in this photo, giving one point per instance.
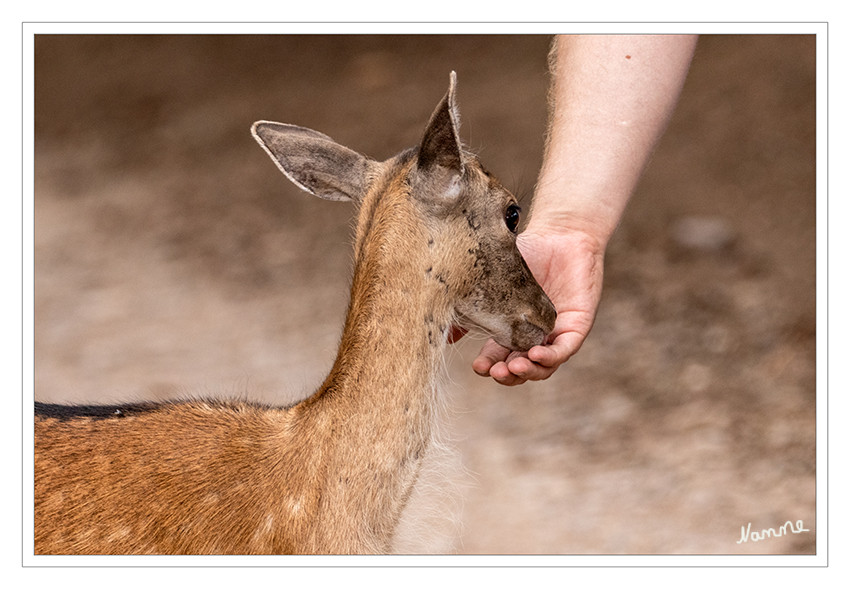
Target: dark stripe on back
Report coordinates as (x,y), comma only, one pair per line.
(69,412)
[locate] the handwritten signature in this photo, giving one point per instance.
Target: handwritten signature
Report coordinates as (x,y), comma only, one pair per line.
(746,535)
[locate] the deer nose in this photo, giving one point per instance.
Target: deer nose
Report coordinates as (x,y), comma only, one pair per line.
(534,324)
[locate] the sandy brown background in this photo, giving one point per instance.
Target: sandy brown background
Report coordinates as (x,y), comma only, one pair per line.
(172,258)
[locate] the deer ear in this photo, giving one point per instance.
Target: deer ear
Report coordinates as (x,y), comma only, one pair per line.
(314,162)
(439,158)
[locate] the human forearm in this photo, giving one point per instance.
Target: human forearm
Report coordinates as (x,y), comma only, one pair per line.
(611,99)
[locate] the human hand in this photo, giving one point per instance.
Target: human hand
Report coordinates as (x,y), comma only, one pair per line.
(569,268)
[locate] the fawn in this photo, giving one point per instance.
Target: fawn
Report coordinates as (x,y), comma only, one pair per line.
(435,246)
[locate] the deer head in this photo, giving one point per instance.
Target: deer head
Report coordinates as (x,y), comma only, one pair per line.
(470,218)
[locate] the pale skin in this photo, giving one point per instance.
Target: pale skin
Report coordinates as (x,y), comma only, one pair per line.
(612,98)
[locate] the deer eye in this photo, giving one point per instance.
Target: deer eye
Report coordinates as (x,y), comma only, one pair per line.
(512,217)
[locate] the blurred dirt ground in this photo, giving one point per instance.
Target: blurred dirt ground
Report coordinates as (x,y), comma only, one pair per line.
(172,258)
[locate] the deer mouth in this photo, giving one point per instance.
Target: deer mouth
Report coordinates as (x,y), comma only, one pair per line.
(525,335)
(519,335)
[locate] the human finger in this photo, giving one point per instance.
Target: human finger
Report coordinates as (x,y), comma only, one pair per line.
(491,353)
(503,375)
(526,369)
(558,352)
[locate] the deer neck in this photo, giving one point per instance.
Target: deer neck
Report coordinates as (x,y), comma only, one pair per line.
(376,409)
(399,313)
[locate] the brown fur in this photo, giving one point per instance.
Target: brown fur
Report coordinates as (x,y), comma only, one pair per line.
(332,473)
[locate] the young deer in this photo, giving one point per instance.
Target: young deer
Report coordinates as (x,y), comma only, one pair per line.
(434,247)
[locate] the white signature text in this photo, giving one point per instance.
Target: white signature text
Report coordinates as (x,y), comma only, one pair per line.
(747,535)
